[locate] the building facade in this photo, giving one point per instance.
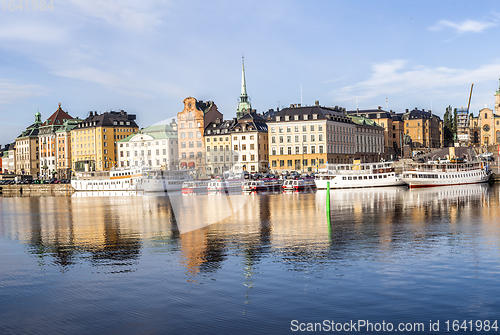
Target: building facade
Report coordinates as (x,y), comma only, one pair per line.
(191,129)
(48,146)
(93,140)
(424,128)
(155,146)
(63,148)
(250,140)
(219,154)
(370,139)
(27,149)
(393,129)
(306,138)
(485,128)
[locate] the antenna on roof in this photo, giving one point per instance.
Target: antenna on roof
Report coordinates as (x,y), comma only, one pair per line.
(301,94)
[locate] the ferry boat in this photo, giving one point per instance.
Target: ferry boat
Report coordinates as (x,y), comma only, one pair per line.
(265,184)
(298,184)
(195,186)
(116,180)
(359,175)
(138,179)
(218,185)
(445,173)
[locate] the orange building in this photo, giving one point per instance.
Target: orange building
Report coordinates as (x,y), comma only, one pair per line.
(191,128)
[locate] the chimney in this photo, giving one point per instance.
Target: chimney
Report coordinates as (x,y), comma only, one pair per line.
(379,107)
(316,103)
(298,105)
(406,110)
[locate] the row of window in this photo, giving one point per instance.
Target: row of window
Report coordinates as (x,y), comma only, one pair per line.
(191,155)
(296,164)
(191,144)
(149,152)
(190,134)
(332,149)
(312,127)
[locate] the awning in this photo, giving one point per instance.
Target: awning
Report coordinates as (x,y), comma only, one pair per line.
(191,165)
(183,164)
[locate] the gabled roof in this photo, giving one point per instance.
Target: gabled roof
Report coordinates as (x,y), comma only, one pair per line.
(107,119)
(252,121)
(321,113)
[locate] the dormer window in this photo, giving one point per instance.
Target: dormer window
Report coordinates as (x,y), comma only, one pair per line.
(315,116)
(115,123)
(278,118)
(287,118)
(295,117)
(305,117)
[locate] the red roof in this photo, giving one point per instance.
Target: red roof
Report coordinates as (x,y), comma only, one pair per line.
(57,118)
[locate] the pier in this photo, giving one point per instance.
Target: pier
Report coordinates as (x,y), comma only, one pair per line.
(35,190)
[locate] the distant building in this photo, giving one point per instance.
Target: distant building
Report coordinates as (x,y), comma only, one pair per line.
(463,126)
(48,142)
(250,140)
(27,149)
(63,148)
(154,146)
(93,139)
(424,128)
(219,154)
(369,139)
(485,127)
(393,129)
(306,138)
(192,121)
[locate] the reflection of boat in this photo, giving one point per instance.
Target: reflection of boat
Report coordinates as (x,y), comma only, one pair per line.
(84,194)
(265,184)
(358,176)
(195,186)
(445,173)
(298,184)
(162,180)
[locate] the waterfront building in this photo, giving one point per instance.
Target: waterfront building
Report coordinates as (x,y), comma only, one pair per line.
(424,128)
(393,129)
(155,146)
(305,138)
(219,153)
(11,163)
(369,139)
(48,142)
(93,140)
(63,148)
(27,149)
(485,127)
(244,105)
(250,140)
(192,120)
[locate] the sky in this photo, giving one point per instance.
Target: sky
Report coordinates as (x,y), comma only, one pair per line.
(147,56)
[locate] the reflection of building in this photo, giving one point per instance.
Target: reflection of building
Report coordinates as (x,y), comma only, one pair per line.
(424,128)
(250,143)
(305,138)
(27,150)
(192,121)
(93,140)
(154,146)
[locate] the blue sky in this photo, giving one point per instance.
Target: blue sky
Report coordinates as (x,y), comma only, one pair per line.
(147,56)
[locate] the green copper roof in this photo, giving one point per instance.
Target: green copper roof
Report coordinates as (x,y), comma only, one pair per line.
(158,132)
(361,120)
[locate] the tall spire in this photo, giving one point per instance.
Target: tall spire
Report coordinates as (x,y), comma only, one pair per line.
(244,106)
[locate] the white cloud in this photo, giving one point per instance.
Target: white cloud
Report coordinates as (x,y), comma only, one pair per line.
(399,77)
(27,31)
(131,15)
(463,27)
(11,92)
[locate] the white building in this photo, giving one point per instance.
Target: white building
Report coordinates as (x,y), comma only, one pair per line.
(155,146)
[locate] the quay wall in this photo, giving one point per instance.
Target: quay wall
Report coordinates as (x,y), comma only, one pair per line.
(35,190)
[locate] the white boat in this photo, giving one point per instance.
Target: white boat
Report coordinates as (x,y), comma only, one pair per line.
(299,184)
(221,185)
(380,174)
(116,180)
(265,184)
(138,179)
(445,173)
(195,186)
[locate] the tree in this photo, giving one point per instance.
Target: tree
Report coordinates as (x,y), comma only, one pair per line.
(448,124)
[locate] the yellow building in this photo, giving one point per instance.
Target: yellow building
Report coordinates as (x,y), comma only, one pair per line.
(485,128)
(306,138)
(424,128)
(93,140)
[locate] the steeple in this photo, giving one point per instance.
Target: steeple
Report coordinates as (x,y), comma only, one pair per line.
(38,118)
(244,106)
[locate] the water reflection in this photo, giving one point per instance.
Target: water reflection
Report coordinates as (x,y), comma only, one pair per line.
(111,232)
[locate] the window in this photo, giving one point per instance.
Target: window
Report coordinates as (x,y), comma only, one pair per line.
(252,146)
(320,149)
(273,151)
(281,138)
(288,129)
(320,137)
(190,134)
(198,144)
(312,138)
(304,138)
(296,138)
(304,149)
(243,147)
(273,164)
(280,129)
(304,128)
(243,158)
(191,144)
(273,139)
(312,127)
(183,144)
(272,131)
(289,139)
(191,155)
(252,158)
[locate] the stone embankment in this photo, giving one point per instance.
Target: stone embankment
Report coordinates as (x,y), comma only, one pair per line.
(35,190)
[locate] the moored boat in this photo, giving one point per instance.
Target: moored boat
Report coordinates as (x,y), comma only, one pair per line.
(298,184)
(381,174)
(445,173)
(195,186)
(264,184)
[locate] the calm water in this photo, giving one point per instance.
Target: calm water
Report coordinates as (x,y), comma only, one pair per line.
(215,264)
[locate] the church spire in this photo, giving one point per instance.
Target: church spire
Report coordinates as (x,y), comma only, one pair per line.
(244,106)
